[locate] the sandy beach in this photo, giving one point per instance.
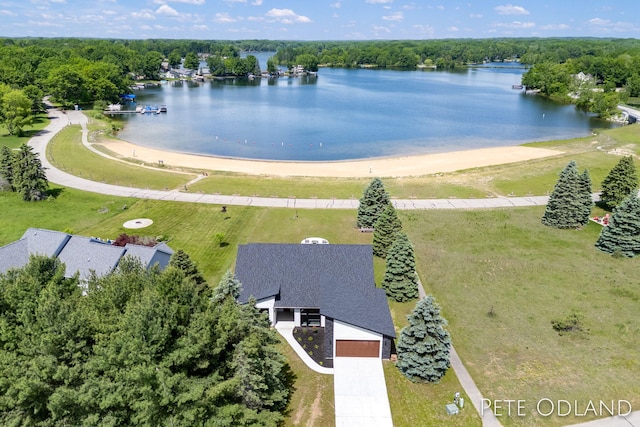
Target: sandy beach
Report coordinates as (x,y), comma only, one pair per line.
(380,167)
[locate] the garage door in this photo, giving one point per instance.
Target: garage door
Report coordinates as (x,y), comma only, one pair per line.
(354,348)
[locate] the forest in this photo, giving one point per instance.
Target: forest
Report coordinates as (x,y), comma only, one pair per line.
(83,71)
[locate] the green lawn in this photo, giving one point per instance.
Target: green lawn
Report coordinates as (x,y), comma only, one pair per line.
(67,153)
(13,141)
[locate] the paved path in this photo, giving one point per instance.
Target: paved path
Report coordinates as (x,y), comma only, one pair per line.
(286,330)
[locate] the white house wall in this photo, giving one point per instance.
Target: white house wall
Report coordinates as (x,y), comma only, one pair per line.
(268,303)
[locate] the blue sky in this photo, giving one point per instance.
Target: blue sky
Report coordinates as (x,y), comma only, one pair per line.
(317,19)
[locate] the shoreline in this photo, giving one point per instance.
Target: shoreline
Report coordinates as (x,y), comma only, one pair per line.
(388,167)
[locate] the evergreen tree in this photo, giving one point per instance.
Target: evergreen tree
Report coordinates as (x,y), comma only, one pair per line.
(400,278)
(229,286)
(623,232)
(386,229)
(29,178)
(566,206)
(621,182)
(587,199)
(181,260)
(373,201)
(424,345)
(7,160)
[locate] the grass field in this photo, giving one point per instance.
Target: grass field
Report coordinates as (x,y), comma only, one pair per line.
(67,153)
(13,141)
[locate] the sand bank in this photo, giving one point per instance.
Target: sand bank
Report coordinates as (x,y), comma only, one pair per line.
(381,167)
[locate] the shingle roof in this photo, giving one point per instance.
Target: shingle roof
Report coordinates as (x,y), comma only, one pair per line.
(79,254)
(337,279)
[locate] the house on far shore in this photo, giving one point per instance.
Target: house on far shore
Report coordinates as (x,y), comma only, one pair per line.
(80,254)
(328,286)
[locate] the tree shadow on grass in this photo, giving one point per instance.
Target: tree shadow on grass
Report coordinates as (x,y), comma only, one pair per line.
(55,192)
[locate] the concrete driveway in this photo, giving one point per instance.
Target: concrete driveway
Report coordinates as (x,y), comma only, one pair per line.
(360,393)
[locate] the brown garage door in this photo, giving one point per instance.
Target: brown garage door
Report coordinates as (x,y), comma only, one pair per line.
(354,348)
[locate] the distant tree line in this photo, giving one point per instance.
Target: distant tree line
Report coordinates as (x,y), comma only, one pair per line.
(79,71)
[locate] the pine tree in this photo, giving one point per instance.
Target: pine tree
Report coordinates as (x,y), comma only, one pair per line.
(386,229)
(587,199)
(623,232)
(7,160)
(29,178)
(373,201)
(400,278)
(229,286)
(181,260)
(621,182)
(424,345)
(566,205)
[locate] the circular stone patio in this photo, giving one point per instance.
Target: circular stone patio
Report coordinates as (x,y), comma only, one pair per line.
(138,223)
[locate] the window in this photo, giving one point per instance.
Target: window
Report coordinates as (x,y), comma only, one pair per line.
(310,317)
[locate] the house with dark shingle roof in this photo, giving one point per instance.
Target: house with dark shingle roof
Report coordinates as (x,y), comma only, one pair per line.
(82,255)
(329,286)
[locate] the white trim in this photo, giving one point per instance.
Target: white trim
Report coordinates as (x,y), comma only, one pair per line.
(269,304)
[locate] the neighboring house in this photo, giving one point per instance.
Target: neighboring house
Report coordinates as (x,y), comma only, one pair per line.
(330,286)
(82,255)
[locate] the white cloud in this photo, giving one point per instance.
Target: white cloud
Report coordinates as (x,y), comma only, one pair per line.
(510,9)
(224,18)
(167,11)
(380,29)
(200,27)
(440,7)
(378,1)
(59,1)
(257,3)
(515,24)
(476,16)
(196,2)
(453,29)
(287,16)
(336,5)
(395,16)
(424,29)
(109,12)
(555,27)
(7,13)
(144,14)
(608,26)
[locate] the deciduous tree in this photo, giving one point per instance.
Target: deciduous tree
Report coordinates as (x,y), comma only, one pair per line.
(400,278)
(424,345)
(620,183)
(622,235)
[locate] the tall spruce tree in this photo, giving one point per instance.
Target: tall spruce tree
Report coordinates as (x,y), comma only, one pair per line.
(229,286)
(424,345)
(621,182)
(400,278)
(181,260)
(7,160)
(373,201)
(566,205)
(585,193)
(623,232)
(386,229)
(29,178)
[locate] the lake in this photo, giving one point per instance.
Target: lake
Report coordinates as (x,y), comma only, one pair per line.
(348,114)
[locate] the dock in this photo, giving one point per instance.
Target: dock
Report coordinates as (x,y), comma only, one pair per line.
(147,109)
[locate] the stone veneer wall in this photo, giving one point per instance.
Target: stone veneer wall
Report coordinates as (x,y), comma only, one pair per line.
(386,347)
(328,342)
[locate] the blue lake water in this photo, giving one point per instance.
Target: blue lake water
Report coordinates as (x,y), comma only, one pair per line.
(352,113)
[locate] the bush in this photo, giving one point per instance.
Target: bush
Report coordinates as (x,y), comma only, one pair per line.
(572,323)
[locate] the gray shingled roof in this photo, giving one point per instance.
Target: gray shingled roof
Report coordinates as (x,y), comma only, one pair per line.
(337,279)
(79,254)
